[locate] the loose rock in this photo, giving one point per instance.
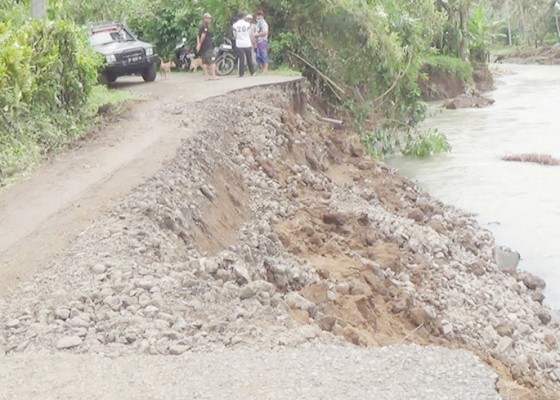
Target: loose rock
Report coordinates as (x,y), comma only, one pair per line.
(534,282)
(99,268)
(68,342)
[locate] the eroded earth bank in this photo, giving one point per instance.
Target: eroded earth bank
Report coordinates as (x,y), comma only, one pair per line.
(271,230)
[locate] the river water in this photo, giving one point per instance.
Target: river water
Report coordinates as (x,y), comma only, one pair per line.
(518,202)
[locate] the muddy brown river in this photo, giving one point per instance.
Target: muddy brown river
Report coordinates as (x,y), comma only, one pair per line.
(518,202)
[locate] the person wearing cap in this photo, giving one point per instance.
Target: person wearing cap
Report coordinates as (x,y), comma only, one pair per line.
(205,46)
(244,45)
(262,42)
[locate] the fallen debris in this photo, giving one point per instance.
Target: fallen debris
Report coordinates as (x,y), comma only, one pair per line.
(295,238)
(543,159)
(468,101)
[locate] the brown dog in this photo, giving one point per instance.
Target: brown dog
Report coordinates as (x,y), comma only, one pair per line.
(165,67)
(196,64)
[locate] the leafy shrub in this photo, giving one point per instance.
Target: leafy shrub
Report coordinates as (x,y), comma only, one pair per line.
(381,141)
(426,144)
(47,71)
(165,22)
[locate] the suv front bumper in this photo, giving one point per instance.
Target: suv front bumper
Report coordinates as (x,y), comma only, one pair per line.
(130,65)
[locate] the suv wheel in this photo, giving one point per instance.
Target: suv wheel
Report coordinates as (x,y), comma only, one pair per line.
(111,78)
(150,73)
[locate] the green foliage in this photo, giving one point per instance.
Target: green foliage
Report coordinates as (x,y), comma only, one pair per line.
(453,65)
(282,46)
(453,37)
(47,71)
(362,56)
(380,142)
(414,142)
(480,35)
(426,144)
(14,11)
(165,22)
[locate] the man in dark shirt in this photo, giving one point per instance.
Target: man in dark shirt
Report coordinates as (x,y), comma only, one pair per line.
(205,46)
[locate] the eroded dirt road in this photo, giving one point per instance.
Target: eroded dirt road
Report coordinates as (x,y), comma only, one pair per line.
(323,372)
(39,215)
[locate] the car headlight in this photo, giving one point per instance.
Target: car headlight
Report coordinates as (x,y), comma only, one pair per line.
(111,58)
(149,51)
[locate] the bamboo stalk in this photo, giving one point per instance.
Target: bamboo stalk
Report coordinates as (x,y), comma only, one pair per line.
(325,77)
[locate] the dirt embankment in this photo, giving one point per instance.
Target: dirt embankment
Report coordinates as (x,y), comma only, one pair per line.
(441,84)
(272,229)
(545,55)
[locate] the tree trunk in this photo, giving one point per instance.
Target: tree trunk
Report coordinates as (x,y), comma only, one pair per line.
(524,24)
(509,23)
(39,9)
(463,49)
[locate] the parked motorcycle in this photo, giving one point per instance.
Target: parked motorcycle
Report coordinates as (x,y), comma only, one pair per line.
(184,55)
(226,59)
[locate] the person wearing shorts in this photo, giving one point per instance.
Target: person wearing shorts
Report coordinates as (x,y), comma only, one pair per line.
(205,47)
(262,42)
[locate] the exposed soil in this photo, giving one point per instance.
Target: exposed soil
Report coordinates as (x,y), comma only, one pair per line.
(270,229)
(442,84)
(42,213)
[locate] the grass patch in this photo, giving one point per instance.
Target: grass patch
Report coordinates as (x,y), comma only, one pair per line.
(40,134)
(543,159)
(103,99)
(453,65)
(283,70)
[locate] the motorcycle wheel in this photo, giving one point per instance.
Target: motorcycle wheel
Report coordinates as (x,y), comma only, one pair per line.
(225,65)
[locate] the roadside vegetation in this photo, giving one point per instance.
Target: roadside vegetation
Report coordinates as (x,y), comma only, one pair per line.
(49,94)
(363,58)
(47,72)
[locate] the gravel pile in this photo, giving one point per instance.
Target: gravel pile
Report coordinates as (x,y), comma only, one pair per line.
(390,373)
(252,237)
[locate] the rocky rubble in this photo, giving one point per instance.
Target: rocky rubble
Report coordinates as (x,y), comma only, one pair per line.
(271,229)
(471,99)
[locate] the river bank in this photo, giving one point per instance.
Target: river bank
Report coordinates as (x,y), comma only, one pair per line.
(515,201)
(544,55)
(270,229)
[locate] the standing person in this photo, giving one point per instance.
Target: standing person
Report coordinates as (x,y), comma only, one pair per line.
(243,45)
(262,42)
(205,46)
(253,38)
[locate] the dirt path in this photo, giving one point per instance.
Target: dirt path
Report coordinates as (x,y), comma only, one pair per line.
(324,372)
(38,216)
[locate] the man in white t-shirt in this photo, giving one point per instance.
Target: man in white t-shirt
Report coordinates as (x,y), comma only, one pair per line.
(244,44)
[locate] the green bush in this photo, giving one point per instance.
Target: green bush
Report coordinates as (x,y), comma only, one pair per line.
(164,23)
(47,71)
(426,144)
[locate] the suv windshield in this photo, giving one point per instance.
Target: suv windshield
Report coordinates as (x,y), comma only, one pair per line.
(109,36)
